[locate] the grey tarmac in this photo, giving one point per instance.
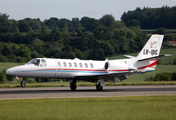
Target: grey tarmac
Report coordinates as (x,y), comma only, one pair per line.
(86,91)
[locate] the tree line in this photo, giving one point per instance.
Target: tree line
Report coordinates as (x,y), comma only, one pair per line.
(87,38)
(151,18)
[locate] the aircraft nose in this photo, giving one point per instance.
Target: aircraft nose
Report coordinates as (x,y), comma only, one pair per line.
(9,71)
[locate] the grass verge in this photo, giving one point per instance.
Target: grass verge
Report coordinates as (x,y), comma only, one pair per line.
(66,84)
(128,108)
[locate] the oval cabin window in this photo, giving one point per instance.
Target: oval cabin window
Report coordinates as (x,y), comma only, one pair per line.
(91,65)
(80,64)
(75,64)
(86,65)
(65,64)
(70,65)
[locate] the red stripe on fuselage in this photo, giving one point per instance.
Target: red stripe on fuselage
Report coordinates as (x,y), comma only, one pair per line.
(150,65)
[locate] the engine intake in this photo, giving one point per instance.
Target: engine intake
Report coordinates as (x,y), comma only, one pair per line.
(106,65)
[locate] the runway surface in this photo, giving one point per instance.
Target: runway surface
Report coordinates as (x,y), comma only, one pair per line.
(65,92)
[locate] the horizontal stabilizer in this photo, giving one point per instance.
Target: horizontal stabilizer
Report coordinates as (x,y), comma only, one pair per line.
(155,58)
(128,56)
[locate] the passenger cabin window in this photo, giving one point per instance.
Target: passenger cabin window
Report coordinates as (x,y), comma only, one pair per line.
(75,64)
(43,63)
(65,64)
(86,65)
(58,63)
(91,65)
(70,65)
(80,64)
(35,62)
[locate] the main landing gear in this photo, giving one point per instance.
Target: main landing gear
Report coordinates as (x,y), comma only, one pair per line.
(73,85)
(100,84)
(99,87)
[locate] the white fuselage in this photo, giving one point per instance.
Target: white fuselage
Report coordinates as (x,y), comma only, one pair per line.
(69,68)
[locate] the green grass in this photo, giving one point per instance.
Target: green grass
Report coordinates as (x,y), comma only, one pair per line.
(6,65)
(48,84)
(66,84)
(111,108)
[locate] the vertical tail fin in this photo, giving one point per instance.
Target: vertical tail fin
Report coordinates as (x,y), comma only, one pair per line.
(147,57)
(151,48)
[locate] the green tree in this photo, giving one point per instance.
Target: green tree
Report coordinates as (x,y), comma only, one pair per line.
(76,23)
(33,23)
(38,46)
(161,30)
(133,23)
(174,76)
(5,24)
(24,27)
(51,23)
(117,25)
(78,53)
(7,50)
(174,63)
(24,51)
(162,77)
(55,34)
(89,24)
(16,30)
(2,76)
(106,20)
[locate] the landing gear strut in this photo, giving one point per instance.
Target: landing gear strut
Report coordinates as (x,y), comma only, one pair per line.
(23,83)
(73,85)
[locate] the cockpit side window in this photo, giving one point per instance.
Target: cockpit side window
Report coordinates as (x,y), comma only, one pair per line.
(35,62)
(43,62)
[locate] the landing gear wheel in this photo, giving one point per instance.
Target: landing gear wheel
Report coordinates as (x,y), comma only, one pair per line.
(23,83)
(73,85)
(99,87)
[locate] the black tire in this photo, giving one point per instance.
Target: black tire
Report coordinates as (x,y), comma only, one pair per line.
(99,87)
(73,87)
(23,83)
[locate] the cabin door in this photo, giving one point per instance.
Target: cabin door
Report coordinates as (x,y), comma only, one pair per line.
(58,68)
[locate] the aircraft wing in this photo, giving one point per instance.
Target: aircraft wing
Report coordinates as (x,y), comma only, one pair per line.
(121,75)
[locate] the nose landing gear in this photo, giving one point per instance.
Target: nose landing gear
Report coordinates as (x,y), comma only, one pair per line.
(23,83)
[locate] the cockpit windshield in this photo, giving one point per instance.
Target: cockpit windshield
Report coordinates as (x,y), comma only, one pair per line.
(34,61)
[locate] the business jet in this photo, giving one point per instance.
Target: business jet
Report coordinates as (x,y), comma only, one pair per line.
(91,70)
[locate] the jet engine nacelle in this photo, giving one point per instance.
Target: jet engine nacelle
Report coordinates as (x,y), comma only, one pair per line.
(114,65)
